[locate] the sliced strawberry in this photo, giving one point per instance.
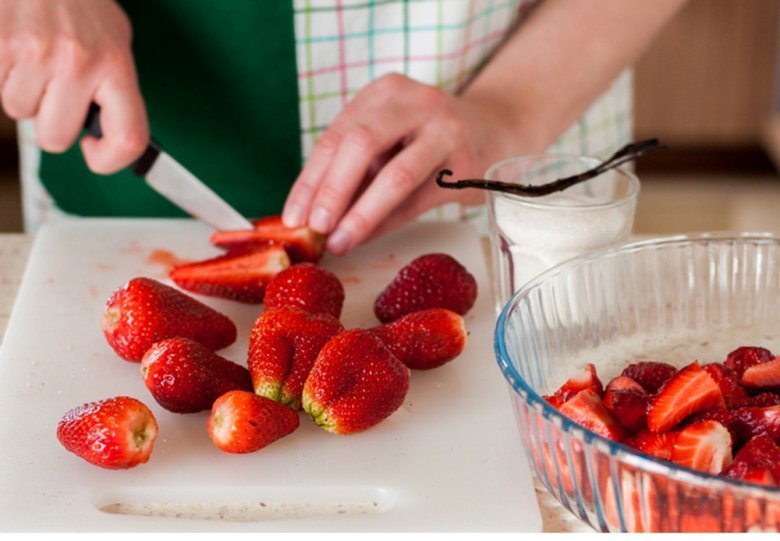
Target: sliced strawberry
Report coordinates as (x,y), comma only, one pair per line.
(554,400)
(629,407)
(763,376)
(704,446)
(624,383)
(649,374)
(241,277)
(757,462)
(752,422)
(116,433)
(587,409)
(243,422)
(761,400)
(724,417)
(689,391)
(727,380)
(301,243)
(657,445)
(585,378)
(744,357)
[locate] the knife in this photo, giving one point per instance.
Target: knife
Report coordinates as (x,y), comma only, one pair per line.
(171,180)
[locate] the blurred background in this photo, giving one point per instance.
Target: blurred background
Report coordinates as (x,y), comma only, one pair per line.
(709,87)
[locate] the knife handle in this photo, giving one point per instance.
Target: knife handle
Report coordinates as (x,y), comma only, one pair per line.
(142,165)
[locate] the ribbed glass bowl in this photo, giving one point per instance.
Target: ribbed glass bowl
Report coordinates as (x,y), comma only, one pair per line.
(676,300)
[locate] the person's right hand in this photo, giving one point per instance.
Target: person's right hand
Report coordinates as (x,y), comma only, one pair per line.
(57,56)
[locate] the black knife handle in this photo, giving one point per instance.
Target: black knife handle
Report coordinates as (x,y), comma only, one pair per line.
(142,165)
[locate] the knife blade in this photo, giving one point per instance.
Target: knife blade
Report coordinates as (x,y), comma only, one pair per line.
(174,182)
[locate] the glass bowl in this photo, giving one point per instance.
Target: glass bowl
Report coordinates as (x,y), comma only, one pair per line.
(675,299)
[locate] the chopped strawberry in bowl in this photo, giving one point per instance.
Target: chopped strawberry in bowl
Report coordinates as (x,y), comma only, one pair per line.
(646,383)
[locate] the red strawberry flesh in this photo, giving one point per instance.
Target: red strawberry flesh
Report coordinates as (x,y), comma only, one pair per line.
(241,277)
(689,391)
(145,311)
(757,461)
(116,433)
(650,375)
(585,378)
(657,445)
(764,375)
(629,407)
(425,339)
(307,286)
(301,243)
(704,446)
(750,422)
(624,383)
(587,409)
(727,380)
(744,357)
(429,281)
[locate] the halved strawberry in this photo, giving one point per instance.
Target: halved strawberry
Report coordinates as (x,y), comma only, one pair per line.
(650,375)
(301,243)
(585,378)
(240,276)
(657,445)
(744,357)
(587,409)
(690,390)
(115,433)
(624,383)
(629,407)
(727,380)
(764,376)
(243,422)
(757,462)
(723,416)
(704,446)
(751,422)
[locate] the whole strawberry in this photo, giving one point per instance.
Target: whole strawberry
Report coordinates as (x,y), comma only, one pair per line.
(283,345)
(307,286)
(144,311)
(116,433)
(242,422)
(186,377)
(425,339)
(430,281)
(355,383)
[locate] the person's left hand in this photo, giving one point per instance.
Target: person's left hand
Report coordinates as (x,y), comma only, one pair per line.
(372,169)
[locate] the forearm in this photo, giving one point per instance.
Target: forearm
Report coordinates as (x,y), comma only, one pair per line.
(562,58)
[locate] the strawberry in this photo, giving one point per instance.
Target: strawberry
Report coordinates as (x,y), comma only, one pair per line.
(658,445)
(587,409)
(624,383)
(301,243)
(430,281)
(763,376)
(283,345)
(144,311)
(704,446)
(758,462)
(750,422)
(629,407)
(306,286)
(355,383)
(761,400)
(425,339)
(240,276)
(115,433)
(585,378)
(732,391)
(554,400)
(242,422)
(689,391)
(744,357)
(650,375)
(185,376)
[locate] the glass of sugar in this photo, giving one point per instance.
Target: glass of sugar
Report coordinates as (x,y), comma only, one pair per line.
(529,235)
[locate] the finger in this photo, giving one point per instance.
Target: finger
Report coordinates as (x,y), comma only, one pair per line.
(23,90)
(125,127)
(397,181)
(61,113)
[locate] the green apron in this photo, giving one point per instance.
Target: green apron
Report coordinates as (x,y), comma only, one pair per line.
(220,85)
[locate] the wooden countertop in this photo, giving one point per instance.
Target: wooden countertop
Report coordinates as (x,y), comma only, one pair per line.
(14,250)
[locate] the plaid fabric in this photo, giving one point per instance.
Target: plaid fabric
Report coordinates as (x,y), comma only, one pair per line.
(341,45)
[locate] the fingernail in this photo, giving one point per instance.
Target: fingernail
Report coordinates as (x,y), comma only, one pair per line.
(338,242)
(321,220)
(293,216)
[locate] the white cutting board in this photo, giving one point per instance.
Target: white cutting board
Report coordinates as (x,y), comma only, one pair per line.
(449,459)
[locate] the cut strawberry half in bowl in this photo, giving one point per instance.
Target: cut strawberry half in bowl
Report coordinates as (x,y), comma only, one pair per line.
(631,407)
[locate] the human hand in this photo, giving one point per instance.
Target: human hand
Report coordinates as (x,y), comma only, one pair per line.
(372,170)
(58,56)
